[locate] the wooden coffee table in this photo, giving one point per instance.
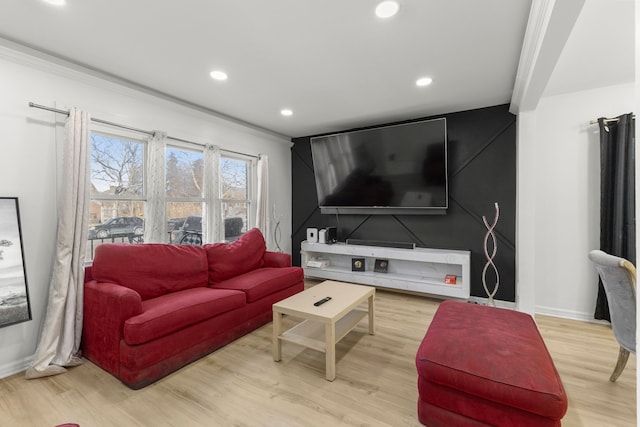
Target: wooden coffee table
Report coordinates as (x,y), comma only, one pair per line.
(323,326)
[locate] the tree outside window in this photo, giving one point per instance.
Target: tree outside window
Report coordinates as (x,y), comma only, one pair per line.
(235,200)
(118,194)
(117,191)
(185,199)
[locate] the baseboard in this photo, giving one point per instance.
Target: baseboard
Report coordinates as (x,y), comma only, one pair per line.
(15,366)
(568,314)
(546,311)
(498,303)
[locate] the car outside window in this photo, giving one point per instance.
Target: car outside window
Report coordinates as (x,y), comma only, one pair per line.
(117,193)
(235,177)
(184,191)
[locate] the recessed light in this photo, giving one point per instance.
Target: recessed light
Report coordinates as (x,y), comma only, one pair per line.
(218,75)
(286,112)
(56,2)
(423,81)
(387,9)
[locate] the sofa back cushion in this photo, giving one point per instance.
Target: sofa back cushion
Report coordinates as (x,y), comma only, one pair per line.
(151,269)
(227,260)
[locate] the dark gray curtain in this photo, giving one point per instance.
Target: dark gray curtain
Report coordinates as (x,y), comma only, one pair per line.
(617,195)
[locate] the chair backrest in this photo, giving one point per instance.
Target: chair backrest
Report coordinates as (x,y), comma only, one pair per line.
(618,278)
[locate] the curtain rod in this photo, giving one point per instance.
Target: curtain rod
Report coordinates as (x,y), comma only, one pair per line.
(593,122)
(147,132)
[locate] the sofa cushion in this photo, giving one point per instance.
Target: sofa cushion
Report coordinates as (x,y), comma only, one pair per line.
(227,260)
(263,281)
(151,270)
(434,399)
(169,313)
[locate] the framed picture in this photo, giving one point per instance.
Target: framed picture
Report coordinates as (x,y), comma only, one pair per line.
(14,296)
(381,265)
(357,264)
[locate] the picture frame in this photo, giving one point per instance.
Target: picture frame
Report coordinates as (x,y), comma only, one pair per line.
(381,266)
(15,306)
(357,264)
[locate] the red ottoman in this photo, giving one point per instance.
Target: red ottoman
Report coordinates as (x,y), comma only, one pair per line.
(480,365)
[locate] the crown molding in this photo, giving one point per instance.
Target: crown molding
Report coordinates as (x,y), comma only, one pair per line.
(47,62)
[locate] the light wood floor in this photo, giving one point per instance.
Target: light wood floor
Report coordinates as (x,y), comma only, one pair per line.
(241,385)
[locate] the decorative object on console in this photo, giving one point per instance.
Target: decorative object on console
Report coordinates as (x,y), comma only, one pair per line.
(327,235)
(381,265)
(312,235)
(491,234)
(357,264)
(331,234)
(318,262)
(450,279)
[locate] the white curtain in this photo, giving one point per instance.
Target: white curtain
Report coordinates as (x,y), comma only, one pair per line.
(262,211)
(213,224)
(59,343)
(155,217)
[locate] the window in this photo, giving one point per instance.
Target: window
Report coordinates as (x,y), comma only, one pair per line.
(235,196)
(118,194)
(117,190)
(186,203)
(185,200)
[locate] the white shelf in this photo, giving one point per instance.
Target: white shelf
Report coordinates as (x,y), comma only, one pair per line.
(311,333)
(420,270)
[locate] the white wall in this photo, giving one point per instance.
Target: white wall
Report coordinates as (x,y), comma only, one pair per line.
(564,207)
(28,162)
(525,217)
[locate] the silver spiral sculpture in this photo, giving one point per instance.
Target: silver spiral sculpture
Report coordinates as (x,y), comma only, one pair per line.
(276,229)
(490,258)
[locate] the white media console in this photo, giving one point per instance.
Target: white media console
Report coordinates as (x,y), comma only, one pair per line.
(417,270)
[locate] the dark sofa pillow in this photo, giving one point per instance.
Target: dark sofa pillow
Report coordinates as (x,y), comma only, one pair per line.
(227,260)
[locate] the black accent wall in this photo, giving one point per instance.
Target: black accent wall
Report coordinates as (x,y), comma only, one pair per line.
(482,171)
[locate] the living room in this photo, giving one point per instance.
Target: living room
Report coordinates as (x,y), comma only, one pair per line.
(556,165)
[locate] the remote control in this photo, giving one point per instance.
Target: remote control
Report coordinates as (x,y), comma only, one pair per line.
(322,301)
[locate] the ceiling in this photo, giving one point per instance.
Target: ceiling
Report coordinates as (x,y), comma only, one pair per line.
(332,62)
(600,50)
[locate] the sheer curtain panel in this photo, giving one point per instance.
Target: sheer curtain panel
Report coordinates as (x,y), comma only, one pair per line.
(262,211)
(155,222)
(59,343)
(213,214)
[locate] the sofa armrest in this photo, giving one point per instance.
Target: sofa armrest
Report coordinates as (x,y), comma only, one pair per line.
(276,259)
(106,307)
(88,273)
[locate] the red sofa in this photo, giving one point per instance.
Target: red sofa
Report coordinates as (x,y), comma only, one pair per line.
(150,309)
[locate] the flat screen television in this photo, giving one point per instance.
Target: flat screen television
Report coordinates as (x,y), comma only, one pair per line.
(397,169)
